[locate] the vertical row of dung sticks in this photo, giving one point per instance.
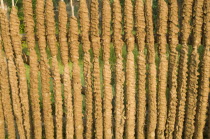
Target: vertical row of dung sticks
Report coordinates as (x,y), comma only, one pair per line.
(140,92)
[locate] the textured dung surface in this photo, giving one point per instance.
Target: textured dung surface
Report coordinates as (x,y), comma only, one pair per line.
(130,72)
(182,68)
(76,81)
(45,74)
(172,67)
(2,131)
(95,43)
(5,96)
(119,111)
(69,107)
(12,74)
(85,27)
(23,88)
(34,96)
(152,112)
(51,41)
(66,75)
(107,92)
(203,92)
(162,68)
(192,90)
(141,94)
(62,32)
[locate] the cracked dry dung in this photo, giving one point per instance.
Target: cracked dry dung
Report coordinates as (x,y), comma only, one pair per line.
(172,67)
(152,112)
(76,81)
(162,68)
(182,68)
(85,27)
(34,96)
(119,112)
(66,75)
(141,92)
(192,83)
(95,43)
(203,93)
(21,71)
(45,73)
(107,98)
(130,72)
(5,95)
(12,74)
(51,40)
